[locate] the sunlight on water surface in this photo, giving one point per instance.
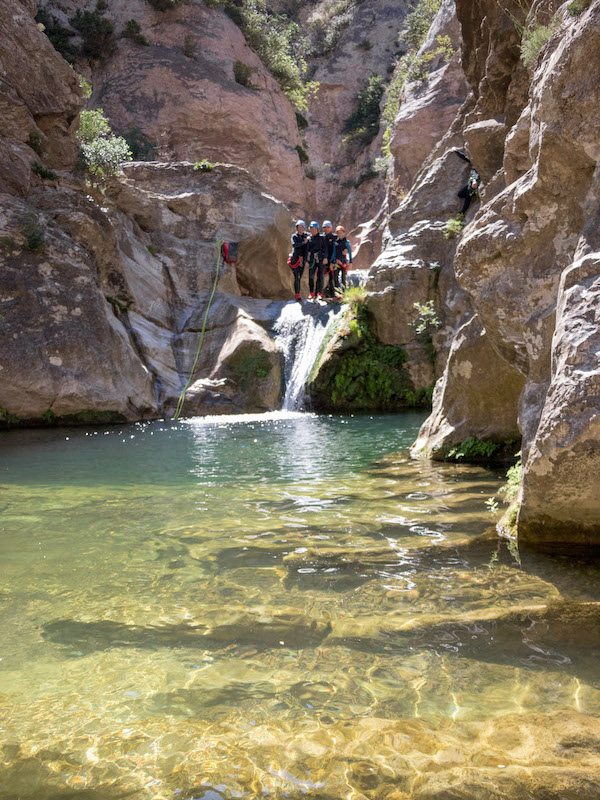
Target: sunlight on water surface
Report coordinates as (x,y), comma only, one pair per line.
(278,604)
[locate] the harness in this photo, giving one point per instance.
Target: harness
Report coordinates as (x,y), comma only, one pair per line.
(297,264)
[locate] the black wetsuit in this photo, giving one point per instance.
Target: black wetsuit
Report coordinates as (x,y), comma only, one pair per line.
(316,254)
(298,259)
(341,265)
(468,192)
(330,239)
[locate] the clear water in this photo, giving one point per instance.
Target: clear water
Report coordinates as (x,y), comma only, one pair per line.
(280,605)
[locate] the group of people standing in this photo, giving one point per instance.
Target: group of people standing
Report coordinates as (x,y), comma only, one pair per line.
(327,256)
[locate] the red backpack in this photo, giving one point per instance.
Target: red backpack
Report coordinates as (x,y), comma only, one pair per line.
(229,251)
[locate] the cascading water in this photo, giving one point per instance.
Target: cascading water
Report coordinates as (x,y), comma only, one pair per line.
(299,334)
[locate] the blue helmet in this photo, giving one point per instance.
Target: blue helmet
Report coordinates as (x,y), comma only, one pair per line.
(301,222)
(328,223)
(314,224)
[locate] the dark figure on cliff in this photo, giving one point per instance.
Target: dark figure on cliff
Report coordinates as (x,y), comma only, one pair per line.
(297,259)
(330,238)
(317,250)
(470,190)
(343,257)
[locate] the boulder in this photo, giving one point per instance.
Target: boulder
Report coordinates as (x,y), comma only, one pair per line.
(475,379)
(66,353)
(560,505)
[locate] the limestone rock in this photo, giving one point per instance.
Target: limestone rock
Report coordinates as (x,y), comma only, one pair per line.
(475,380)
(428,108)
(39,93)
(66,354)
(560,505)
(190,106)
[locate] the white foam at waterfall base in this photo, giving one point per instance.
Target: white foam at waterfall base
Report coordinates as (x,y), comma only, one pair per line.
(299,332)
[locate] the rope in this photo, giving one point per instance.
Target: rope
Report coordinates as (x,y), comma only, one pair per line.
(181,400)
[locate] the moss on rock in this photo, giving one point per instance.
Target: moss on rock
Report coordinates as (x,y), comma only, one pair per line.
(358,373)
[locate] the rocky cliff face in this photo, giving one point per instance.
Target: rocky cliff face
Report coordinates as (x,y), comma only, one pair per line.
(104,296)
(527,260)
(180,90)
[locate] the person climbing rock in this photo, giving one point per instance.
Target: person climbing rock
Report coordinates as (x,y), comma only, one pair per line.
(297,259)
(343,257)
(330,239)
(471,189)
(316,255)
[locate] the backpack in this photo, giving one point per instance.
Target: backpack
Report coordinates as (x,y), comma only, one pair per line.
(229,251)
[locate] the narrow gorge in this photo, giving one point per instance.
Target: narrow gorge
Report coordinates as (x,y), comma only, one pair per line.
(357,557)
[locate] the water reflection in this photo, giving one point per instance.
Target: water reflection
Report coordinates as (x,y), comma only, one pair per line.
(281,604)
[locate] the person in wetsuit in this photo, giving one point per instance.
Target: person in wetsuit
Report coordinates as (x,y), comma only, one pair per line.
(330,239)
(297,259)
(470,191)
(316,256)
(343,257)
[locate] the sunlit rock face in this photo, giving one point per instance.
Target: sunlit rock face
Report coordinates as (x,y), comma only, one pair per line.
(39,100)
(181,92)
(527,258)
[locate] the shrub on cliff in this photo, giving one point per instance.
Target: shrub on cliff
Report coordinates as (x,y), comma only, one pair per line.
(96,30)
(278,42)
(102,153)
(363,124)
(60,37)
(164,5)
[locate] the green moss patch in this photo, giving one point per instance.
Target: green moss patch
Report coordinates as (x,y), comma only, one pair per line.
(360,374)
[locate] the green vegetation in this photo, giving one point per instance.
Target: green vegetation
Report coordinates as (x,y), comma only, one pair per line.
(43,173)
(151,249)
(363,124)
(326,25)
(189,47)
(425,324)
(249,365)
(277,40)
(301,121)
(473,449)
(96,30)
(7,242)
(142,149)
(509,495)
(577,7)
(7,418)
(133,30)
(49,416)
(428,319)
(86,88)
(102,152)
(454,227)
(119,306)
(302,154)
(243,74)
(411,67)
(533,40)
(60,37)
(33,233)
(204,166)
(164,5)
(364,375)
(35,140)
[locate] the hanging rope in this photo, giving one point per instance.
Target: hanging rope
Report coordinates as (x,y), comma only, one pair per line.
(181,400)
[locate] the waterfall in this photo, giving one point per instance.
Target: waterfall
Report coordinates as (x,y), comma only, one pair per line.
(300,332)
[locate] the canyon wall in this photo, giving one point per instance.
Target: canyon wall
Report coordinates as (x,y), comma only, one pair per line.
(518,317)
